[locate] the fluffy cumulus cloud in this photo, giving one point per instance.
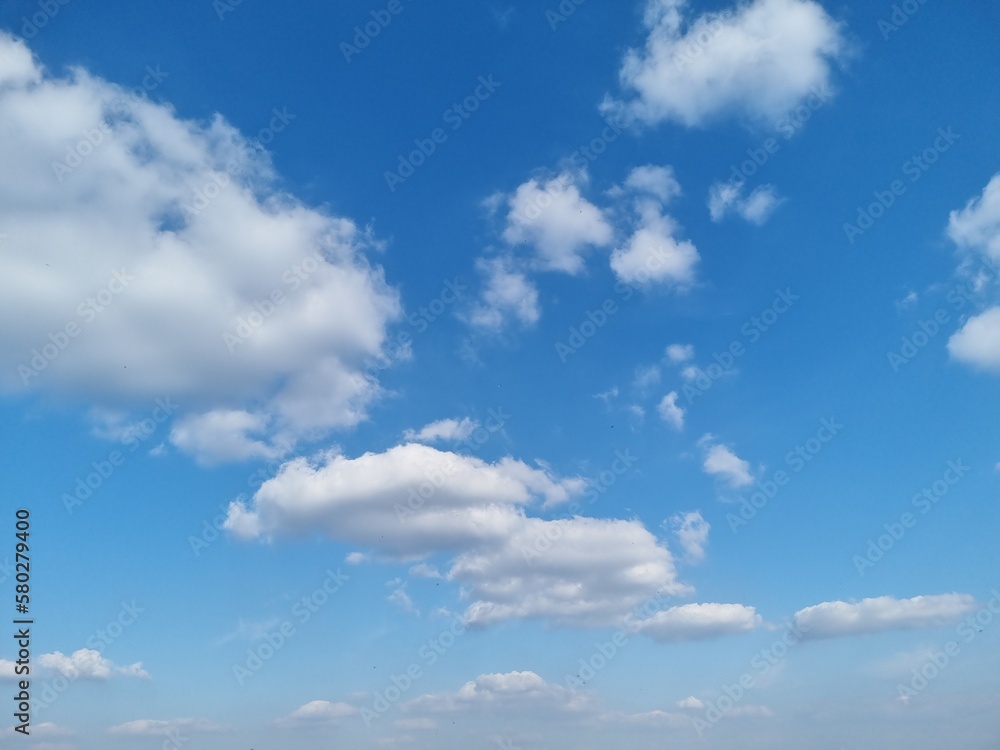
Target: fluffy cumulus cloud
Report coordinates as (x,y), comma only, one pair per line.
(446,430)
(691,530)
(148,256)
(977,342)
(725,198)
(557,222)
(318,712)
(658,181)
(670,411)
(520,691)
(580,571)
(976,228)
(653,253)
(721,462)
(88,664)
(679,353)
(758,60)
(697,621)
(415,500)
(832,619)
(508,296)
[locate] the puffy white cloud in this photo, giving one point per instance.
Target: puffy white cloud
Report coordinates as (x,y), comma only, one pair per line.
(721,462)
(160,727)
(507,295)
(654,180)
(318,712)
(691,703)
(646,377)
(225,435)
(725,198)
(691,530)
(832,619)
(977,226)
(759,60)
(670,412)
(977,342)
(652,254)
(678,353)
(88,664)
(401,599)
(557,221)
(410,500)
(241,296)
(579,571)
(697,621)
(443,430)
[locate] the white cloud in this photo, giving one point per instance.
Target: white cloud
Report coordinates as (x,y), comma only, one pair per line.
(225,435)
(725,198)
(558,222)
(508,295)
(88,664)
(656,181)
(758,60)
(318,712)
(652,254)
(690,703)
(832,619)
(410,500)
(670,412)
(579,571)
(696,621)
(678,353)
(646,377)
(692,534)
(160,727)
(401,599)
(721,462)
(977,342)
(977,226)
(153,287)
(443,430)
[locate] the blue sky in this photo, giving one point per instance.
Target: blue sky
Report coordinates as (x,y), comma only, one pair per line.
(502,376)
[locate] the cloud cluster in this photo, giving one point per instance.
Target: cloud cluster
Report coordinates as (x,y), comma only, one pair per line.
(757,60)
(165,261)
(833,619)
